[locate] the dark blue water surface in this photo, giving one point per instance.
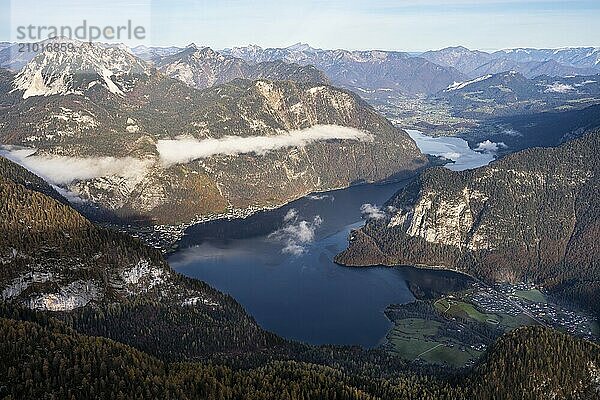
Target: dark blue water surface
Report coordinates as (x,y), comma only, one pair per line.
(278,265)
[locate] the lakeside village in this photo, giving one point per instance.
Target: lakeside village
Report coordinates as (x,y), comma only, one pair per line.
(166,237)
(526,298)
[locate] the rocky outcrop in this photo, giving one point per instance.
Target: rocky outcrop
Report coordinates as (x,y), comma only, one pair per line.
(529,216)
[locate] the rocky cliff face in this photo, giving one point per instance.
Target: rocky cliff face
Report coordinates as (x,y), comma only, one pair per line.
(165,152)
(78,69)
(527,216)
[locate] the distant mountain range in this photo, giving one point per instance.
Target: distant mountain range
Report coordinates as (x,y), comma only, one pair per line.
(361,70)
(204,67)
(581,57)
(154,54)
(528,62)
(400,72)
(394,70)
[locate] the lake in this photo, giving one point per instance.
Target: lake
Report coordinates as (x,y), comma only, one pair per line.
(278,265)
(452,148)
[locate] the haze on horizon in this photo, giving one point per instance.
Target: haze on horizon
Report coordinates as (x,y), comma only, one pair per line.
(408,25)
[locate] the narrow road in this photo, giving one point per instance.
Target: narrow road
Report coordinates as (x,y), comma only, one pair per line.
(447,302)
(427,351)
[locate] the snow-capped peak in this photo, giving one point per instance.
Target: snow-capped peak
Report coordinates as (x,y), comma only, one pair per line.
(79,67)
(300,47)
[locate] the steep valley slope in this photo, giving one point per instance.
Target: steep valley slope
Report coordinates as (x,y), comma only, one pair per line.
(298,138)
(106,283)
(530,216)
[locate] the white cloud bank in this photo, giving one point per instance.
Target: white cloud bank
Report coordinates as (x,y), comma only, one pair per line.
(487,146)
(60,170)
(558,87)
(185,150)
(296,233)
(371,211)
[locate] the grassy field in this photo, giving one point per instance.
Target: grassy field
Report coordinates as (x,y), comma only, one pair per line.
(412,336)
(417,326)
(426,340)
(532,295)
(415,338)
(450,355)
(409,348)
(463,310)
(467,310)
(442,305)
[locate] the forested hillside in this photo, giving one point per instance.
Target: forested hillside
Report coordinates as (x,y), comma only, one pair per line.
(107,283)
(531,216)
(49,360)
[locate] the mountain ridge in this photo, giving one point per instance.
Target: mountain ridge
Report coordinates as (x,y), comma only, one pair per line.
(121,133)
(361,69)
(204,67)
(466,221)
(475,63)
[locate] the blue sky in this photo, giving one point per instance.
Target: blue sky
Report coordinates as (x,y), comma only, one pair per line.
(411,25)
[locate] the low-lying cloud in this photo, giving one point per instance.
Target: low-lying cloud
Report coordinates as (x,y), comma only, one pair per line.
(185,150)
(558,87)
(296,233)
(319,197)
(511,132)
(61,170)
(372,211)
(451,155)
(71,197)
(487,146)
